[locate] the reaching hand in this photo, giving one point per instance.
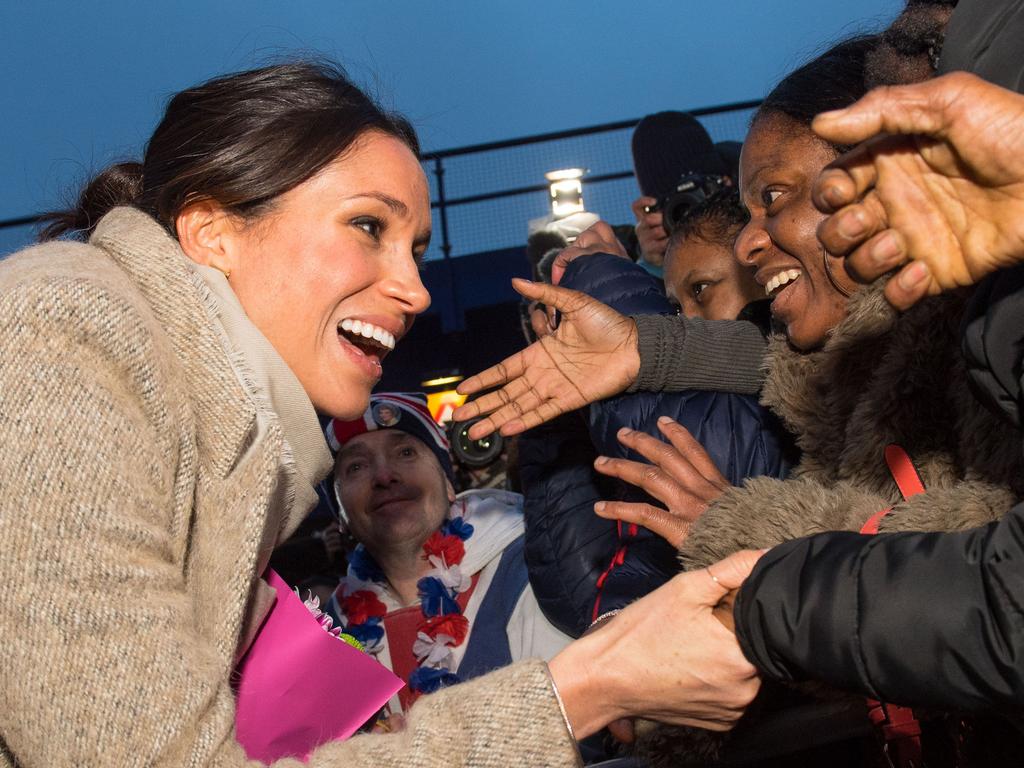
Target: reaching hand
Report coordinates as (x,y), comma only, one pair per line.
(590,356)
(598,238)
(665,657)
(680,475)
(938,182)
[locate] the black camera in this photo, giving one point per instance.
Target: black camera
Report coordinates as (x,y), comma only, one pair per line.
(474,453)
(691,190)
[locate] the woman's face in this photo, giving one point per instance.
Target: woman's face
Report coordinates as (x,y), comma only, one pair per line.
(780,161)
(331,274)
(705,280)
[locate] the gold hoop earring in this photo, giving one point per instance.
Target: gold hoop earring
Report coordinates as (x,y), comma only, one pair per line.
(831,277)
(225,272)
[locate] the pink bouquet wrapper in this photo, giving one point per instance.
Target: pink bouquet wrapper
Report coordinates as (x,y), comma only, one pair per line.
(300,687)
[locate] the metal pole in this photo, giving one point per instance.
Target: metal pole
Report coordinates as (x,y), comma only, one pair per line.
(455,317)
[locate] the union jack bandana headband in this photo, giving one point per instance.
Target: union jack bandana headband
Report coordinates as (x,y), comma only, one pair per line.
(405,411)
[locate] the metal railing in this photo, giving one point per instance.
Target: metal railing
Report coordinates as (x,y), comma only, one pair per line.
(483,195)
(434,162)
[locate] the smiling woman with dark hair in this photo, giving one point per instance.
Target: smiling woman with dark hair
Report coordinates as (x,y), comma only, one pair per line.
(158,412)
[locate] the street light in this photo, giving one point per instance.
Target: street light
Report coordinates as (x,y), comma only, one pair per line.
(566,190)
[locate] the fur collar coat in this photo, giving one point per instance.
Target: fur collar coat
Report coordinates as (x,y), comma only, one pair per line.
(881,378)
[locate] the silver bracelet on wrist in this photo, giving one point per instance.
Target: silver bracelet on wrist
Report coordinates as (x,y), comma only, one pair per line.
(561,704)
(604,617)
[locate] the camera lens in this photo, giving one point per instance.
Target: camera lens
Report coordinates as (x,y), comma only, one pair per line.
(474,453)
(676,208)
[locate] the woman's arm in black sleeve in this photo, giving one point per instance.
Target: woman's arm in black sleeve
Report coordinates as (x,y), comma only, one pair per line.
(932,619)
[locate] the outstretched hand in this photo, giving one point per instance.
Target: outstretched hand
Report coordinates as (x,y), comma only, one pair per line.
(936,187)
(590,356)
(665,657)
(680,475)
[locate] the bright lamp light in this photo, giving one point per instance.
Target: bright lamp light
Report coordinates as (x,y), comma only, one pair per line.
(566,190)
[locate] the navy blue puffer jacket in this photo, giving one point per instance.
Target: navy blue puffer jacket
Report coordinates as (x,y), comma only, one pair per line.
(582,565)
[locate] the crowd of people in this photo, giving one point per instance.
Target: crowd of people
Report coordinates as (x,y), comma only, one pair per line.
(769,501)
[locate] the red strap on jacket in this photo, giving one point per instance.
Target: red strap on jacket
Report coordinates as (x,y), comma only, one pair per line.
(907,480)
(903,471)
(617,559)
(900,729)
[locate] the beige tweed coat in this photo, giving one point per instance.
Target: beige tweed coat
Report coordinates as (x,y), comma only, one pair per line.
(134,494)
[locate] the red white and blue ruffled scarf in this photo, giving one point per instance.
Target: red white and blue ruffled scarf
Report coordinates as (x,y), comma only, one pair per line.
(443,626)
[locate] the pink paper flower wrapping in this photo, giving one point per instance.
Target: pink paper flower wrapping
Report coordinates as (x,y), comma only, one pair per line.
(301,687)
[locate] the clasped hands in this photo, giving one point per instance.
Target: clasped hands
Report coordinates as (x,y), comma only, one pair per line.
(715,683)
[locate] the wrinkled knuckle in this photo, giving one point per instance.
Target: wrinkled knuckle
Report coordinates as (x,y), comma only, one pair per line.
(648,513)
(651,474)
(665,451)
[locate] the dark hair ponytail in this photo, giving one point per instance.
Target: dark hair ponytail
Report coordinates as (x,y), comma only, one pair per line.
(241,140)
(118,184)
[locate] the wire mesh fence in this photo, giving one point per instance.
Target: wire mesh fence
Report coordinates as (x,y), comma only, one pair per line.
(488,194)
(484,196)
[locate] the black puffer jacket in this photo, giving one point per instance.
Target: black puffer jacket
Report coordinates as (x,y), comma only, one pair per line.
(930,619)
(582,565)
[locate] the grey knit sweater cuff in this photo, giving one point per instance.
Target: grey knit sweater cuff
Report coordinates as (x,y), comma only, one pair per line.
(678,353)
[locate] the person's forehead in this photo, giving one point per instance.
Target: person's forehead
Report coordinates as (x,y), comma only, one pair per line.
(695,254)
(377,439)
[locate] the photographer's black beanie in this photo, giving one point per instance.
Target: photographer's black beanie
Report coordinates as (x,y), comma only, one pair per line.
(667,145)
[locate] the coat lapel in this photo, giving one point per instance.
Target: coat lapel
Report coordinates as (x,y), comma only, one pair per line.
(237,483)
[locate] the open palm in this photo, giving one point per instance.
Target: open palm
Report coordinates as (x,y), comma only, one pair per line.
(590,356)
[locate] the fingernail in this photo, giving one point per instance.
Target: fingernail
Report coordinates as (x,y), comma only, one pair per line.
(913,275)
(599,507)
(886,249)
(625,432)
(833,195)
(665,420)
(851,224)
(601,460)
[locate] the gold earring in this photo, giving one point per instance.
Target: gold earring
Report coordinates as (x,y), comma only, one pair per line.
(846,292)
(225,272)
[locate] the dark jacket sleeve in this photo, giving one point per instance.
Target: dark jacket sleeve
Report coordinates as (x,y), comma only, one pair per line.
(983,37)
(993,343)
(567,545)
(932,619)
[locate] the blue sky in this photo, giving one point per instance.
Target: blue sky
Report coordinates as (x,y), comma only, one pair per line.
(84,83)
